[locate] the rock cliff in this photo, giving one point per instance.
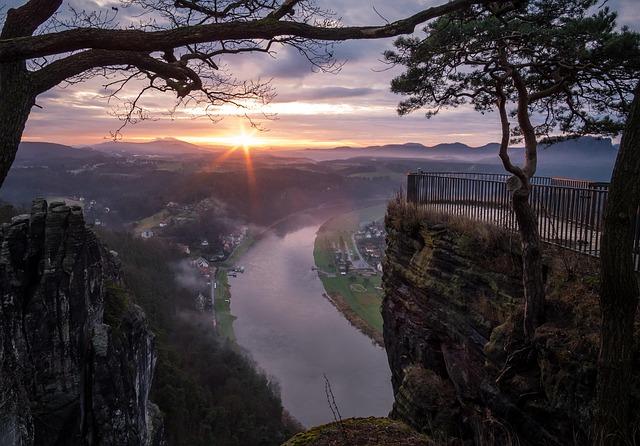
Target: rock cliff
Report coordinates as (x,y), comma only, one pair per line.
(76,355)
(452,328)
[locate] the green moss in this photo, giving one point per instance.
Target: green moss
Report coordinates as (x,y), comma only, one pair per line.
(361,431)
(467,244)
(592,281)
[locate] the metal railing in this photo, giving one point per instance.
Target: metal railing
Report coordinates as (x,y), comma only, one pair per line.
(570,212)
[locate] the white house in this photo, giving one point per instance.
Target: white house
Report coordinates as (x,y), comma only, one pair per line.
(202,263)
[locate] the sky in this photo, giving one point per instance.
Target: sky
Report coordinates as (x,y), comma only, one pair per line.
(312,109)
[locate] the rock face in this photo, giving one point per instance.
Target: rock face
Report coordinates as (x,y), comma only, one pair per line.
(452,329)
(76,357)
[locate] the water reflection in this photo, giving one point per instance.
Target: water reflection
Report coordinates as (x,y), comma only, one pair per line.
(296,335)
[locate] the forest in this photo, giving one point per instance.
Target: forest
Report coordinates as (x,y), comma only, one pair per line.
(208,390)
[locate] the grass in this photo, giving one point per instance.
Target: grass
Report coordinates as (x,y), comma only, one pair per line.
(323,255)
(152,221)
(366,304)
(350,222)
(224,318)
(360,293)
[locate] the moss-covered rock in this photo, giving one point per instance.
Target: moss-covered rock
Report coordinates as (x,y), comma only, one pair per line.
(361,432)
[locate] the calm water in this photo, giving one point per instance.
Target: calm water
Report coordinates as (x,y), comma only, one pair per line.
(296,335)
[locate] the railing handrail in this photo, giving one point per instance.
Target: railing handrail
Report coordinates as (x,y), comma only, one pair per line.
(570,211)
(535,181)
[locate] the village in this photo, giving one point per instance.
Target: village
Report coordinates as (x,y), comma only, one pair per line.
(370,243)
(211,250)
(215,298)
(348,253)
(362,253)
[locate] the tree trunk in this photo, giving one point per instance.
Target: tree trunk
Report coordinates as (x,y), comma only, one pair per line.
(16,100)
(532,275)
(619,290)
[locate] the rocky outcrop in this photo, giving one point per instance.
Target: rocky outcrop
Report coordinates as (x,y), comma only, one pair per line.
(76,355)
(452,329)
(361,432)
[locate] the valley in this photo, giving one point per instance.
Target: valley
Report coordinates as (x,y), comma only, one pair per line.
(279,259)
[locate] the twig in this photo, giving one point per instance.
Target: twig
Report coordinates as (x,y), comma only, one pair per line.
(334,407)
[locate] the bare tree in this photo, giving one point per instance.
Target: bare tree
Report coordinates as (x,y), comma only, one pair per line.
(176,47)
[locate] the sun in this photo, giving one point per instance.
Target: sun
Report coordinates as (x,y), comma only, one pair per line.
(244,140)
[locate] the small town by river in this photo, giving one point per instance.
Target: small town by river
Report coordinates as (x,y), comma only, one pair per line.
(297,336)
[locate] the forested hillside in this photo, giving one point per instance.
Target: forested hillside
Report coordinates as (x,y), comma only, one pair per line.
(209,393)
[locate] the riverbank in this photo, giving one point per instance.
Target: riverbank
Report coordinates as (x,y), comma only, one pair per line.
(355,319)
(358,297)
(224,317)
(296,335)
(356,293)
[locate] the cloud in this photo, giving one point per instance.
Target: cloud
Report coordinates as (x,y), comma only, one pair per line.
(320,93)
(353,107)
(628,13)
(288,63)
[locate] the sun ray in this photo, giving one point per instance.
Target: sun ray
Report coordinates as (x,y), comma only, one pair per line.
(244,141)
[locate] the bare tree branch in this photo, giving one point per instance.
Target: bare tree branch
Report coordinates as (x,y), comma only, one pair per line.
(285,9)
(184,79)
(23,21)
(21,48)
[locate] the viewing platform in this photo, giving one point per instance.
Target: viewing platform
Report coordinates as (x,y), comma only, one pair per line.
(570,212)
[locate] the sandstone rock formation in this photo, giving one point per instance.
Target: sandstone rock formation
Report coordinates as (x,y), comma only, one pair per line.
(452,327)
(76,356)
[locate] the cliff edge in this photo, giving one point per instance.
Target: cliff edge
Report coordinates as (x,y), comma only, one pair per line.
(452,328)
(76,355)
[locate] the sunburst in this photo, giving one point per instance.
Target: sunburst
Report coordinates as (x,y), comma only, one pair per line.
(245,141)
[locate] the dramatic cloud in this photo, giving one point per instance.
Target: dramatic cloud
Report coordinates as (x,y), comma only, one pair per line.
(353,107)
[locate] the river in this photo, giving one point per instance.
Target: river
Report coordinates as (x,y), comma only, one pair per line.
(295,335)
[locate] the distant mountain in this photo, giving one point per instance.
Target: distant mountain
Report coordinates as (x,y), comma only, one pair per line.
(164,146)
(582,148)
(445,151)
(44,152)
(586,157)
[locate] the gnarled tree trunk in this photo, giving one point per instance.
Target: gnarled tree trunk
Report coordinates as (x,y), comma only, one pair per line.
(16,101)
(520,186)
(532,276)
(619,290)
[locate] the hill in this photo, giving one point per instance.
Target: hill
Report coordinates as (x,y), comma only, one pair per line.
(44,152)
(163,146)
(586,157)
